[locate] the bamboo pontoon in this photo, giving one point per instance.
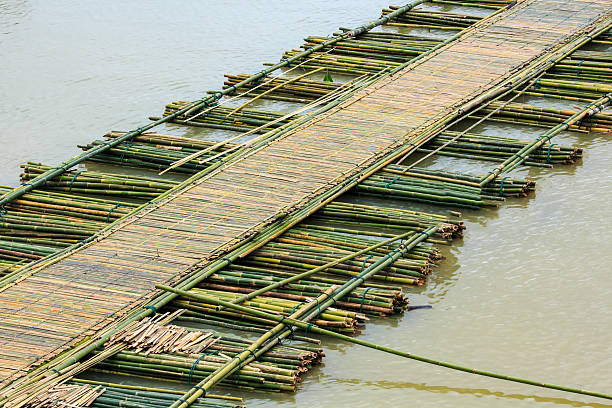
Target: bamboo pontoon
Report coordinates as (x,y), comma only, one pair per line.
(259,223)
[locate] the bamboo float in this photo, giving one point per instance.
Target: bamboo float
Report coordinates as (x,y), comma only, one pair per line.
(329,194)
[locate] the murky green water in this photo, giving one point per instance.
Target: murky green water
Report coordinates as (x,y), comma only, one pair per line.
(526,293)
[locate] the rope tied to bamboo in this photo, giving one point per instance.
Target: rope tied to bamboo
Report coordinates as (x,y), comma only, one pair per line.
(295,307)
(364,263)
(501,186)
(391,182)
(152,308)
(579,64)
(329,297)
(363,298)
(195,363)
(537,85)
(548,152)
(73,178)
(264,75)
(201,389)
(111,211)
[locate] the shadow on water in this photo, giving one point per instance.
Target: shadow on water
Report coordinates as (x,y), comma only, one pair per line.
(477,392)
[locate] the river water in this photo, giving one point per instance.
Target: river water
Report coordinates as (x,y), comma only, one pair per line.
(526,293)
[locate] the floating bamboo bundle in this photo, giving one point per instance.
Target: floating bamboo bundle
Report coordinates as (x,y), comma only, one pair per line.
(337,319)
(43,222)
(494,4)
(281,369)
(345,64)
(303,90)
(544,117)
(493,148)
(100,184)
(394,49)
(122,395)
(442,188)
(382,217)
(574,89)
(157,152)
(308,246)
(433,19)
(245,120)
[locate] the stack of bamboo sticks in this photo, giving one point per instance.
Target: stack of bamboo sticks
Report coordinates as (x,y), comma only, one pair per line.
(154,152)
(68,395)
(151,336)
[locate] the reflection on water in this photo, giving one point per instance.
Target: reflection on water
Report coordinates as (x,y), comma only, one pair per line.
(526,293)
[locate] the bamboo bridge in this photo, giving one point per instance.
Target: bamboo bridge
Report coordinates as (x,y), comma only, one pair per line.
(58,307)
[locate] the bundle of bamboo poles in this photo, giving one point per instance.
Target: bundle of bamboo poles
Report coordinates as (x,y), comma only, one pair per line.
(43,222)
(384,46)
(518,113)
(494,148)
(500,187)
(310,246)
(304,90)
(120,397)
(281,369)
(441,188)
(221,117)
(344,64)
(382,217)
(584,65)
(485,4)
(100,184)
(68,395)
(573,90)
(148,155)
(431,19)
(337,320)
(132,396)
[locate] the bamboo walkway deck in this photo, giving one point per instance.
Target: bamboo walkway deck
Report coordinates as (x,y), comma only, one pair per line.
(54,308)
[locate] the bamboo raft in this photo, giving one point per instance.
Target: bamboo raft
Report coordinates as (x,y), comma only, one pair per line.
(232,230)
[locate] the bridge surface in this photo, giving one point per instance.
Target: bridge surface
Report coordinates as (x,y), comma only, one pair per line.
(58,305)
